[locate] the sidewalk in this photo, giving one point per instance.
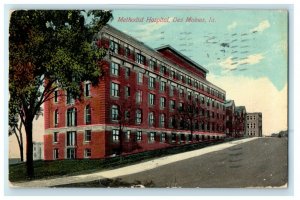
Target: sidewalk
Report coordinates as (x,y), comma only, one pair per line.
(144,166)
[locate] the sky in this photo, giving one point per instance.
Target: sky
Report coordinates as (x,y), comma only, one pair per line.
(245,51)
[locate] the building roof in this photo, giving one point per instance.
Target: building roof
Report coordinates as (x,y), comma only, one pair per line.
(240,109)
(187,59)
(229,103)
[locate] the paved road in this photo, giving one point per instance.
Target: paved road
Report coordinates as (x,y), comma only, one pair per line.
(258,163)
(245,163)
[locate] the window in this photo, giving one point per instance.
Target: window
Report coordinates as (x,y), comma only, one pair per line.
(115,68)
(172,122)
(87,135)
(127,72)
(152,64)
(138,116)
(114,112)
(162,120)
(140,77)
(202,100)
(87,89)
(173,137)
(189,95)
(114,89)
(71,138)
(88,115)
(114,47)
(172,104)
(87,153)
(127,115)
(207,101)
(196,97)
(163,69)
(152,136)
(55,137)
(55,96)
(180,106)
(55,154)
(139,136)
(163,86)
(56,118)
(127,52)
(181,92)
(115,135)
(71,117)
(139,96)
(140,58)
(151,99)
(173,74)
(172,88)
(151,82)
(196,84)
(189,80)
(71,153)
(70,99)
(163,137)
(127,91)
(162,102)
(127,135)
(151,118)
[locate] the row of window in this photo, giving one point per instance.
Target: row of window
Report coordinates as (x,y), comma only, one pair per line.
(251,117)
(71,153)
(72,116)
(115,68)
(115,92)
(115,116)
(70,98)
(128,136)
(141,59)
(251,125)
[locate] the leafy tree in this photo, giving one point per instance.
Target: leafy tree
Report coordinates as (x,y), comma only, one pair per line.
(47,50)
(15,128)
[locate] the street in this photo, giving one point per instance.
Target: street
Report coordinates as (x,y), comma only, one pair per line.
(258,163)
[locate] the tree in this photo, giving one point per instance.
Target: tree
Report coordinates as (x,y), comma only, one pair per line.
(49,50)
(15,128)
(189,115)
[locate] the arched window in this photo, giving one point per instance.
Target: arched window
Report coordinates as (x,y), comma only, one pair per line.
(56,118)
(151,119)
(88,116)
(162,120)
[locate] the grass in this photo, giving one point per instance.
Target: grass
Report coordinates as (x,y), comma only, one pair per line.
(57,168)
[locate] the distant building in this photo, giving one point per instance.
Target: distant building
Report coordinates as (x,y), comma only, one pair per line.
(240,120)
(230,118)
(254,124)
(235,119)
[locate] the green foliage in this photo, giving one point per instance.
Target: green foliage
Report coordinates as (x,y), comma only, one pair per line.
(50,49)
(55,46)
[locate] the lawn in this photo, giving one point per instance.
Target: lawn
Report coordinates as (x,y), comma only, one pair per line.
(51,169)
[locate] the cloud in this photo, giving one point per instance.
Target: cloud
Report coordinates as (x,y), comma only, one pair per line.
(229,64)
(232,26)
(261,26)
(258,95)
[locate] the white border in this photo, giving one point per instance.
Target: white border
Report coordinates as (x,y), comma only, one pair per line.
(293,97)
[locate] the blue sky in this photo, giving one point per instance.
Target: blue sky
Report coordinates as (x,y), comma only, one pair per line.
(247,43)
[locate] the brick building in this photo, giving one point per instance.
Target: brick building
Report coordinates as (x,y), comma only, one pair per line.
(235,119)
(147,99)
(254,124)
